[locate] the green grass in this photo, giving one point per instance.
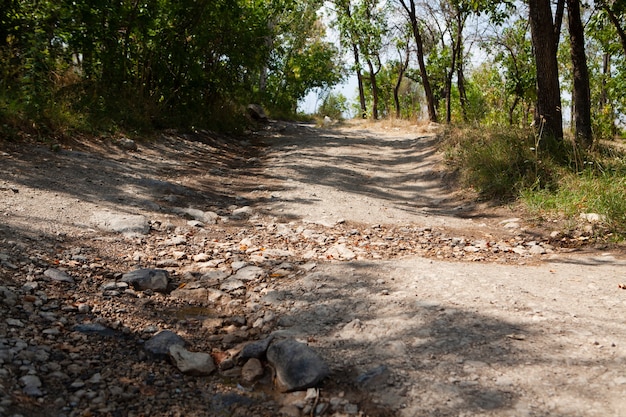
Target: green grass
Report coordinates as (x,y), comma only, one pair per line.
(498,163)
(505,165)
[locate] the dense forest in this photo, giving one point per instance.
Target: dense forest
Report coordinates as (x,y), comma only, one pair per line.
(85,64)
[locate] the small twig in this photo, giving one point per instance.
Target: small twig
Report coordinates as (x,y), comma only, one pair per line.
(317,398)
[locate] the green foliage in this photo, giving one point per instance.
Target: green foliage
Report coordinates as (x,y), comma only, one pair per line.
(505,164)
(333,106)
(140,65)
(607,69)
(409,94)
(499,163)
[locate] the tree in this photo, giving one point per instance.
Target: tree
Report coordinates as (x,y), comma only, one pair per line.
(512,51)
(548,112)
(581,94)
(347,30)
(301,60)
(411,14)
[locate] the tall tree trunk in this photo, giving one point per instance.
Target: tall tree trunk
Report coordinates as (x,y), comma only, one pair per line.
(374,89)
(449,88)
(396,89)
(581,95)
(462,92)
(359,78)
(460,76)
(409,7)
(548,115)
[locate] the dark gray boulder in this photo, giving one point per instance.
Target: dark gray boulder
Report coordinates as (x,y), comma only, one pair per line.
(147,279)
(297,366)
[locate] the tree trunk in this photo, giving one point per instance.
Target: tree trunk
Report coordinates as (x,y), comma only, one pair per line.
(374,89)
(396,89)
(581,95)
(548,116)
(512,109)
(460,76)
(359,77)
(409,7)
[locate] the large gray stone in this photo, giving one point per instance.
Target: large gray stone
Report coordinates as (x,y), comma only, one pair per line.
(147,279)
(297,366)
(191,363)
(58,275)
(127,224)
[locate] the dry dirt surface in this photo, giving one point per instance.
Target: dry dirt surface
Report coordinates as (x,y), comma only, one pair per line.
(421,301)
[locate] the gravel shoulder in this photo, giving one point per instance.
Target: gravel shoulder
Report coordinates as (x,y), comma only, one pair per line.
(422,301)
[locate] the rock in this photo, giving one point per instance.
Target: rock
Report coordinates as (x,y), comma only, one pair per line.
(191,363)
(297,366)
(201,257)
(215,276)
(207,217)
(249,273)
(536,250)
(592,217)
(7,297)
(147,279)
(256,112)
(256,349)
(160,343)
(242,213)
(15,322)
(32,385)
(374,378)
(94,328)
(252,371)
(58,275)
(175,241)
(189,293)
(237,265)
(127,224)
(232,284)
(126,144)
(340,251)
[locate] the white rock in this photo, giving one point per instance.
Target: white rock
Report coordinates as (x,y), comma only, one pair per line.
(340,251)
(593,217)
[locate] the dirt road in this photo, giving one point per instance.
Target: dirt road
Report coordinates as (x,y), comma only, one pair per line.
(456,338)
(422,301)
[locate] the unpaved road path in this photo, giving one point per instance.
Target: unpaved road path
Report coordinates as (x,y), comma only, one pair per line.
(423,302)
(455,338)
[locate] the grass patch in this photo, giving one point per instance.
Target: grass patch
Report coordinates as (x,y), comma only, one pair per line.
(506,165)
(498,163)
